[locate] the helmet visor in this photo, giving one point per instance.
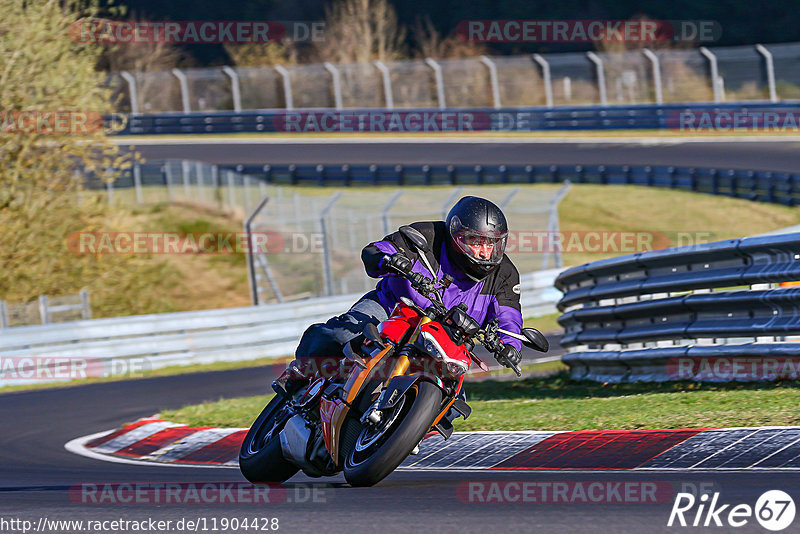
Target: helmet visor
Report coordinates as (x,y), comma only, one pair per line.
(481,247)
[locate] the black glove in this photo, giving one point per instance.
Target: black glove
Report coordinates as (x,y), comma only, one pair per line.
(508,356)
(397,262)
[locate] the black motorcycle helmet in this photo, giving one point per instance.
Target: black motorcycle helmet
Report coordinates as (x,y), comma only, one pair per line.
(478,232)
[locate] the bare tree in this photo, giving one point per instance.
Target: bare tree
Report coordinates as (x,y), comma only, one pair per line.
(262,54)
(360,31)
(430,43)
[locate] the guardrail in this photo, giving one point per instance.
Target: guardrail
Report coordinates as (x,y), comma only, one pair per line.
(532,118)
(704,312)
(128,345)
(762,186)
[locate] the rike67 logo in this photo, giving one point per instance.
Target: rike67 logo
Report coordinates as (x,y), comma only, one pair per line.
(774,510)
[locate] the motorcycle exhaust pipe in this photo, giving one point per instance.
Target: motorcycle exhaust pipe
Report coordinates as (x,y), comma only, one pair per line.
(296,438)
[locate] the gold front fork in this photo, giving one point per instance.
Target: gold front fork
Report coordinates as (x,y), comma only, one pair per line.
(400,367)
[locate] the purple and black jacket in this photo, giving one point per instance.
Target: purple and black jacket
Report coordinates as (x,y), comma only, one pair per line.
(495,296)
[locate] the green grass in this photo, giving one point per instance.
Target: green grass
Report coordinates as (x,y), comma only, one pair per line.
(544,323)
(669,216)
(559,403)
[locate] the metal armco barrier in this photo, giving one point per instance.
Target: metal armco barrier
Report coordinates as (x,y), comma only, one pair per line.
(636,117)
(702,312)
(761,186)
(117,346)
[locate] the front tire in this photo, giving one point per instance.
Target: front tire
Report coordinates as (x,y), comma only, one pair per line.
(260,458)
(372,459)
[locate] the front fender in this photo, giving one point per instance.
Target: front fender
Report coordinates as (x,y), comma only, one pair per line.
(399,385)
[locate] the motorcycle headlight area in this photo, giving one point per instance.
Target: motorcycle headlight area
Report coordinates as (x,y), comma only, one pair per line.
(432,347)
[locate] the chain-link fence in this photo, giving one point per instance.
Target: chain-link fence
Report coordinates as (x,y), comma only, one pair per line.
(46,310)
(770,72)
(309,240)
(320,236)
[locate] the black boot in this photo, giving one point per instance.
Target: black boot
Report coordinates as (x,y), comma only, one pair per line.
(292,380)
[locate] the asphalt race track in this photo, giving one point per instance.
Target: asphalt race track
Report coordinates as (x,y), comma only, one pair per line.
(781,155)
(36,474)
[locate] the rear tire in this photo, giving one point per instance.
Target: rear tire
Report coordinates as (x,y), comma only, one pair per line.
(261,458)
(370,465)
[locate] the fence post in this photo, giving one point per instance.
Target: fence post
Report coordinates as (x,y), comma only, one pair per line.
(326,260)
(185,176)
(649,54)
(553,227)
(770,67)
(187,108)
(86,307)
(251,268)
(387,84)
(231,198)
(43,311)
(548,82)
(168,178)
(437,74)
(198,170)
(133,94)
(215,184)
(712,63)
(337,83)
(3,314)
(601,76)
(287,86)
(385,211)
(493,80)
(508,198)
(137,182)
(236,92)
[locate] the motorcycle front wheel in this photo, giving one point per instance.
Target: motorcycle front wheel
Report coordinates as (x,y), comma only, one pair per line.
(261,458)
(379,449)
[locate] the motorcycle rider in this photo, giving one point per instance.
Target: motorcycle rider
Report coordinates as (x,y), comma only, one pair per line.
(469,246)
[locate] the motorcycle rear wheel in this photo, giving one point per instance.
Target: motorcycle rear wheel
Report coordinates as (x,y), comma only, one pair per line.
(375,459)
(261,458)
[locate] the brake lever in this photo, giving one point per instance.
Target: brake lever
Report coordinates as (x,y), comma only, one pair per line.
(510,365)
